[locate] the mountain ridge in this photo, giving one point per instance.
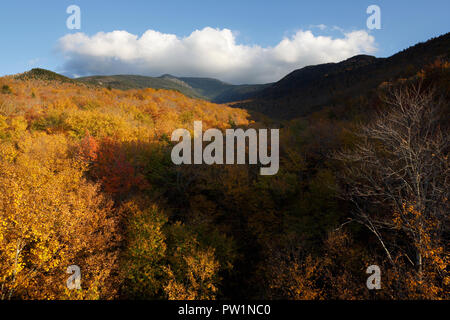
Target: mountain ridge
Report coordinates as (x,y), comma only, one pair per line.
(210,89)
(310,88)
(297,94)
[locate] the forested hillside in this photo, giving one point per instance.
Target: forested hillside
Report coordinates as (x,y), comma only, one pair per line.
(308,89)
(205,88)
(86,179)
(302,91)
(127,82)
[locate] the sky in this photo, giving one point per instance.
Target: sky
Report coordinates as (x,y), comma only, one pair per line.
(243,41)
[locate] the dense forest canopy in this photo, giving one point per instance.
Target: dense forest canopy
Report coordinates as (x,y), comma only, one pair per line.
(86,179)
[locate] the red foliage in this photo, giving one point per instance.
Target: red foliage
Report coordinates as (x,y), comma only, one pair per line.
(112,168)
(89,148)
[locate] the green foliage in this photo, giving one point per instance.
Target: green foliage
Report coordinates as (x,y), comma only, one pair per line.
(53,121)
(145,253)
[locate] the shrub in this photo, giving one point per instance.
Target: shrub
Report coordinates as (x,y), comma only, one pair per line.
(6,89)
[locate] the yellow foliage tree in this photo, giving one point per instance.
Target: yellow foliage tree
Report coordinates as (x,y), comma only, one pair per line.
(51,218)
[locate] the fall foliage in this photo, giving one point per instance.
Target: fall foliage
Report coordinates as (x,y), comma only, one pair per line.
(86,179)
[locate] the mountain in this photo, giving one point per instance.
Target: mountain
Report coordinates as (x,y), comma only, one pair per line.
(43,74)
(200,88)
(126,82)
(310,88)
(207,87)
(299,93)
(203,88)
(240,92)
(221,92)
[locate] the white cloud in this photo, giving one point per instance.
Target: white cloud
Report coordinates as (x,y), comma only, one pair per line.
(207,53)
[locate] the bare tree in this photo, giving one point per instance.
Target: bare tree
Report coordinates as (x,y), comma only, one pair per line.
(397,175)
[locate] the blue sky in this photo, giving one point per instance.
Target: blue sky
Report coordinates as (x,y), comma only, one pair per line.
(31,32)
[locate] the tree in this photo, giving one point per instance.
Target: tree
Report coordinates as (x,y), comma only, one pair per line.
(397,176)
(197,280)
(144,255)
(336,272)
(51,218)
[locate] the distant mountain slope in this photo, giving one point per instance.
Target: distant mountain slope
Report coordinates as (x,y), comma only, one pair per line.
(221,92)
(207,87)
(43,74)
(299,93)
(240,92)
(126,82)
(203,88)
(310,88)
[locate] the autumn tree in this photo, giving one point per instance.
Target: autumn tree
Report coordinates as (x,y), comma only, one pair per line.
(51,218)
(197,279)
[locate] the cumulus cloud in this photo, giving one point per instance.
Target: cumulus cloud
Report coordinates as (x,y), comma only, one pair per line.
(205,53)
